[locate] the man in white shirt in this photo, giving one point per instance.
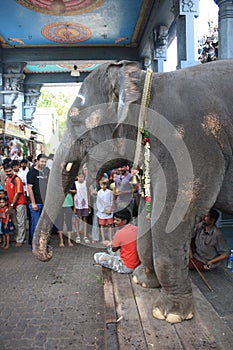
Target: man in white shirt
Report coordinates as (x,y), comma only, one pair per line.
(23,170)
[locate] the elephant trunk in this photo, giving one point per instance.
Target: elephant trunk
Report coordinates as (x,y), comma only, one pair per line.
(40,247)
(62,176)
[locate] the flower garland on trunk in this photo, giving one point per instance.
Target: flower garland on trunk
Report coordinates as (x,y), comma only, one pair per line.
(147,179)
(143,136)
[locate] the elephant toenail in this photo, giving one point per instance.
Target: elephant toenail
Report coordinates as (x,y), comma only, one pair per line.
(173,318)
(158,314)
(190,315)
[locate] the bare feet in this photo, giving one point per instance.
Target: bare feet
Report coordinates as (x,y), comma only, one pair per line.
(6,247)
(70,244)
(61,245)
(18,244)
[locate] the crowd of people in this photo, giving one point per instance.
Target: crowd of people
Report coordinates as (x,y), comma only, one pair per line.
(101,213)
(23,187)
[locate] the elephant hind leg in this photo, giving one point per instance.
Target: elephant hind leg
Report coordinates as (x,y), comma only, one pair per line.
(145,277)
(173,311)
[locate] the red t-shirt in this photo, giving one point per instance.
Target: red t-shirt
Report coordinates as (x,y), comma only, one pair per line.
(15,185)
(126,238)
(3,214)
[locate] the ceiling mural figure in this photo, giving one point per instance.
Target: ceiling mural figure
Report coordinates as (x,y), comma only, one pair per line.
(65,7)
(66,32)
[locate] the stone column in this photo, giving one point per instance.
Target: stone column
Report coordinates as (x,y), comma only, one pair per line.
(186,46)
(12,87)
(225,28)
(1,86)
(160,52)
(31,94)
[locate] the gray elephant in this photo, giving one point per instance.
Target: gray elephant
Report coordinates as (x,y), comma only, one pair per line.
(190,120)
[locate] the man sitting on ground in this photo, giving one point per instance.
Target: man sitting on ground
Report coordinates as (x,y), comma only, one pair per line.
(208,245)
(125,240)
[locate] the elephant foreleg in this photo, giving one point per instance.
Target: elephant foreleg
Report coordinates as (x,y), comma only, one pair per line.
(145,274)
(175,302)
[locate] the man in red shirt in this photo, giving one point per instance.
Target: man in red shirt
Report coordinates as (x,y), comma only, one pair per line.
(124,240)
(17,202)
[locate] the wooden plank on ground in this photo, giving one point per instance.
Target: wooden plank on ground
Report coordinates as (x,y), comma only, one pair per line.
(160,335)
(129,328)
(110,310)
(205,331)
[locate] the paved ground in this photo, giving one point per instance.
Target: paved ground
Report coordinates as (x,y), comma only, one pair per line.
(53,305)
(61,305)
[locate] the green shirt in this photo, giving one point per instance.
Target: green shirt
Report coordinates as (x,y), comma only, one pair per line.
(68,202)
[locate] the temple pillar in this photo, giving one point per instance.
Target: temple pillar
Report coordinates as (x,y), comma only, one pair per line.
(160,51)
(225,28)
(12,87)
(186,46)
(1,85)
(31,96)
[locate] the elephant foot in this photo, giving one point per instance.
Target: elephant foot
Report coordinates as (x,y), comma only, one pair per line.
(145,277)
(173,312)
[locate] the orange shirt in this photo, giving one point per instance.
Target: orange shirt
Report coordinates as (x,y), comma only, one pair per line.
(126,238)
(15,185)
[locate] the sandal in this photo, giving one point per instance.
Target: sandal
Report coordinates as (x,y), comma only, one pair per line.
(86,240)
(78,240)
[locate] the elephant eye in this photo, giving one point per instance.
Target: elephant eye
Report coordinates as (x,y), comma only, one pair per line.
(68,167)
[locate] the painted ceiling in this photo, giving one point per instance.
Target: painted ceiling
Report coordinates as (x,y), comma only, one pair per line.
(71,23)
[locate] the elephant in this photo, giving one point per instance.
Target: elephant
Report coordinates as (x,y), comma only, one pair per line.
(189,117)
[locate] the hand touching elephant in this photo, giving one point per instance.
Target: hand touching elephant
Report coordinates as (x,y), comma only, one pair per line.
(191,138)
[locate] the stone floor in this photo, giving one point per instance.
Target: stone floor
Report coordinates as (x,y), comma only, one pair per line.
(70,303)
(54,305)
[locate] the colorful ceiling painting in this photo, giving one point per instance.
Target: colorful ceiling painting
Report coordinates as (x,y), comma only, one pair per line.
(66,32)
(60,68)
(30,24)
(71,7)
(98,23)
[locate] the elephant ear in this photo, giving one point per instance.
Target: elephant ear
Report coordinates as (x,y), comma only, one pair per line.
(125,77)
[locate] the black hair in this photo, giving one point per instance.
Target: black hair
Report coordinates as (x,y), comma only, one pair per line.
(7,166)
(23,161)
(123,214)
(6,161)
(15,162)
(214,214)
(41,155)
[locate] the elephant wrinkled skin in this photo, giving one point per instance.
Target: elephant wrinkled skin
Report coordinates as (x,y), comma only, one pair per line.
(190,118)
